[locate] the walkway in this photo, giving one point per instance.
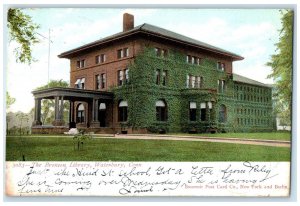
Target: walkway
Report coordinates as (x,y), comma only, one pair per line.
(273,143)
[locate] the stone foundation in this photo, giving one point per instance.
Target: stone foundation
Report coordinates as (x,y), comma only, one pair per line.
(49,129)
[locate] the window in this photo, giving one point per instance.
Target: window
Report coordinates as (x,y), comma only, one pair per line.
(126,52)
(161,111)
(123,105)
(196,60)
(122,53)
(100,58)
(157,76)
(193,59)
(79,84)
(201,82)
(164,78)
(193,81)
(80,114)
(80,63)
(203,111)
(221,86)
(187,81)
(197,82)
(123,77)
(120,77)
(164,53)
(193,111)
(126,75)
(221,66)
(188,58)
(160,52)
(98,82)
(157,51)
(103,81)
(222,113)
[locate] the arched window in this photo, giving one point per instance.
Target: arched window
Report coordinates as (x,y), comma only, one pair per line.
(203,111)
(102,106)
(102,114)
(193,111)
(161,110)
(222,113)
(123,105)
(80,114)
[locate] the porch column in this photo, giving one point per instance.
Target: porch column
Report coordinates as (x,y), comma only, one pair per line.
(37,112)
(95,109)
(56,108)
(61,111)
(72,123)
(58,121)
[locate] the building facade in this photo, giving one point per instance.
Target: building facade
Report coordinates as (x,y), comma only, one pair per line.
(148,79)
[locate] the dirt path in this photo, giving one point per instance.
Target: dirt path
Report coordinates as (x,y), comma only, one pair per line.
(273,143)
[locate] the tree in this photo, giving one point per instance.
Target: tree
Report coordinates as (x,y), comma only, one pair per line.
(47,108)
(9,100)
(23,31)
(282,63)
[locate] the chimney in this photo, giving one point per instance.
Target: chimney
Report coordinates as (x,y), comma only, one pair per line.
(128,21)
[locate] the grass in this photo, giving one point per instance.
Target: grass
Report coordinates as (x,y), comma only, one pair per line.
(62,149)
(285,136)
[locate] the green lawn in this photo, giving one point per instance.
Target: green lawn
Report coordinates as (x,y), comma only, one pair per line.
(286,136)
(62,149)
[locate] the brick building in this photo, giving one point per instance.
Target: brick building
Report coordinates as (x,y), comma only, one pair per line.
(148,79)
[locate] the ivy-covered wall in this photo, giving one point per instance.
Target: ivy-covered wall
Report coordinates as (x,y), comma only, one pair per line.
(142,92)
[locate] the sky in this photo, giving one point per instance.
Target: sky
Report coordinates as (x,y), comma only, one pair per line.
(251,33)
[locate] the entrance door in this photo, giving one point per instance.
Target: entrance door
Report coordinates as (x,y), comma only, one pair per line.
(102,114)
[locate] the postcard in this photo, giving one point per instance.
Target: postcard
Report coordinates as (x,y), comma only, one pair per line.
(149,102)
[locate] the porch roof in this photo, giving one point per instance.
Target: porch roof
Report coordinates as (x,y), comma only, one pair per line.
(72,94)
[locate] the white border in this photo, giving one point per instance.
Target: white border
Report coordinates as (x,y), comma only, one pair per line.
(176,4)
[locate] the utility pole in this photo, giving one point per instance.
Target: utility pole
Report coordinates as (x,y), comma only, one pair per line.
(49,44)
(49,41)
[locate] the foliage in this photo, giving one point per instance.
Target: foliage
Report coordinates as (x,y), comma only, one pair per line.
(9,100)
(23,31)
(79,139)
(104,149)
(47,109)
(142,92)
(282,63)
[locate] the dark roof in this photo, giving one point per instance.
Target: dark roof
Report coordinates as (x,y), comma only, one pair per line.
(242,79)
(154,31)
(71,93)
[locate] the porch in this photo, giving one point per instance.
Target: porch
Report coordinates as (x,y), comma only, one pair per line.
(88,109)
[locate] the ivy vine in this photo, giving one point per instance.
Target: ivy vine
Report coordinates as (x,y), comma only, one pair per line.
(142,92)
